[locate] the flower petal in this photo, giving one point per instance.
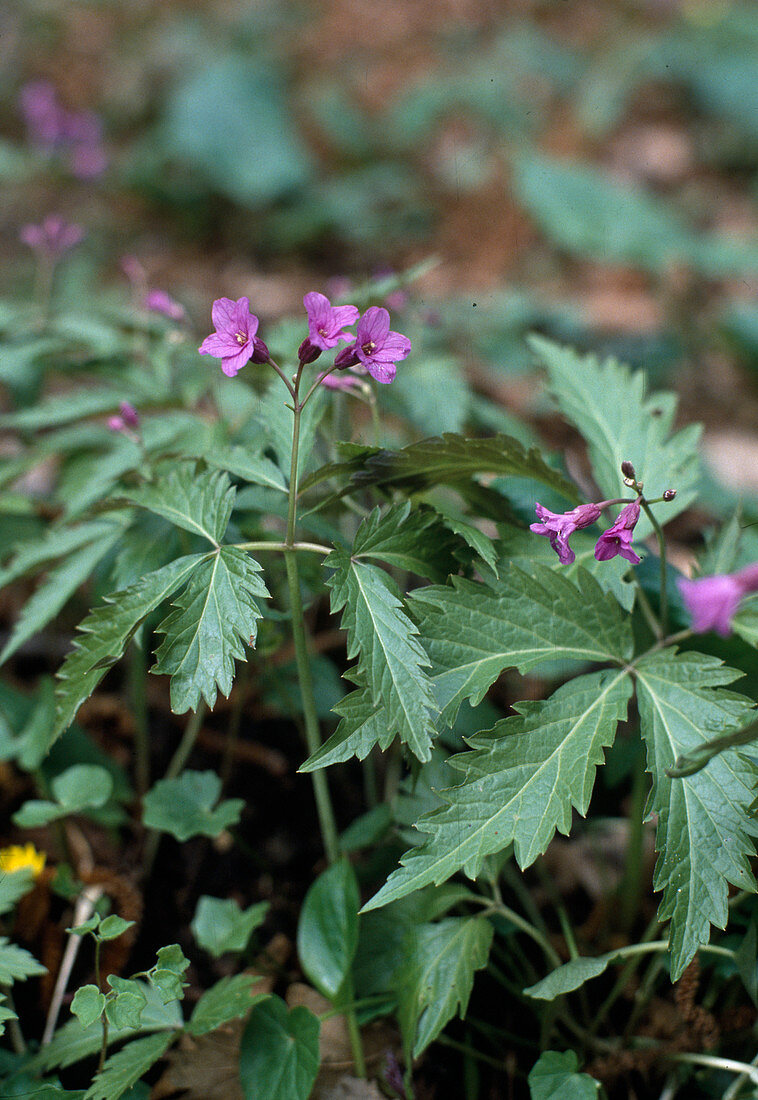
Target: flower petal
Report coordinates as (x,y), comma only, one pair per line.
(382,372)
(231,364)
(222,314)
(219,344)
(373,326)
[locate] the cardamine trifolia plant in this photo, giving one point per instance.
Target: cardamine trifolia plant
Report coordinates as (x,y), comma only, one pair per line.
(209,508)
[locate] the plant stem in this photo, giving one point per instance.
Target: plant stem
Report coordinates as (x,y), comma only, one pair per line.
(515,918)
(631,883)
(104,1018)
(137,679)
(311,547)
(664,604)
(729,1064)
(354,1031)
(178,760)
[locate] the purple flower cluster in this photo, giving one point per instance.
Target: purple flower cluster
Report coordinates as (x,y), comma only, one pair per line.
(52,238)
(126,422)
(375,349)
(713,601)
(76,135)
(559,526)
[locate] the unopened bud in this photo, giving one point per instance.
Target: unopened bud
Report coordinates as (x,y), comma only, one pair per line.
(346,358)
(669,494)
(630,482)
(308,352)
(260,352)
(627,469)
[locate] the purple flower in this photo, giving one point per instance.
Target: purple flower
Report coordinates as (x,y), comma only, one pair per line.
(341,381)
(712,601)
(53,237)
(376,347)
(158,301)
(126,422)
(234,342)
(618,538)
(326,323)
(42,113)
(133,270)
(52,128)
(559,526)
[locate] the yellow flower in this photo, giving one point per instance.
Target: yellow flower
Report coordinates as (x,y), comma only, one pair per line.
(17,857)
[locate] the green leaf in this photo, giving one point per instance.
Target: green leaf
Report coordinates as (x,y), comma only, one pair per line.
(88,1004)
(364,724)
(705,826)
(197,502)
(327,933)
(432,392)
(523,780)
(14,885)
(437,975)
(214,619)
(202,124)
(247,465)
(112,927)
(16,964)
(279,1054)
(124,1069)
(167,976)
(72,1042)
(57,588)
(228,999)
(416,541)
(56,542)
(183,807)
(473,631)
(442,460)
(104,634)
(65,408)
(275,423)
(608,403)
(392,659)
(554,1077)
(219,925)
(81,787)
(570,976)
(126,1008)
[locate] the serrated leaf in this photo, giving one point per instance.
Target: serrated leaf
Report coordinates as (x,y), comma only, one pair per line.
(16,964)
(608,403)
(570,976)
(437,976)
(124,1069)
(473,631)
(279,1052)
(57,588)
(554,1077)
(523,780)
(226,1000)
(14,885)
(705,827)
(364,724)
(55,543)
(416,541)
(442,460)
(197,502)
(184,807)
(327,932)
(214,619)
(104,634)
(248,465)
(392,659)
(219,925)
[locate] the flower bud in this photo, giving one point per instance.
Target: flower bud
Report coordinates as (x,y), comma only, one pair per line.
(260,351)
(308,352)
(627,469)
(346,358)
(669,494)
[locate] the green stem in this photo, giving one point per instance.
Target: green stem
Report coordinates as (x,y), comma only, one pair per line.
(137,683)
(104,1018)
(310,547)
(354,1031)
(664,604)
(524,926)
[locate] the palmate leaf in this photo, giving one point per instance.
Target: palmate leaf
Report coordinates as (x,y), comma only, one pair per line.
(705,828)
(57,589)
(608,403)
(437,975)
(104,634)
(473,631)
(392,660)
(523,779)
(416,541)
(198,502)
(124,1069)
(214,618)
(442,460)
